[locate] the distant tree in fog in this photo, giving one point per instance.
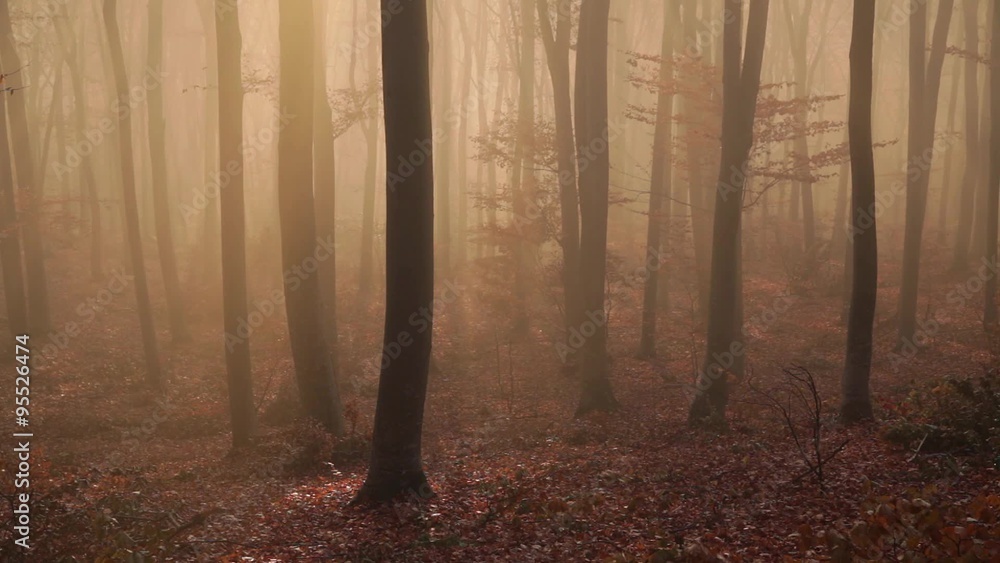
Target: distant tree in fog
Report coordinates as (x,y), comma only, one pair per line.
(314,369)
(925,85)
(741,85)
(132,231)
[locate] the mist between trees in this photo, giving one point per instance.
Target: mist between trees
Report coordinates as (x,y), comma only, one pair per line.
(502,280)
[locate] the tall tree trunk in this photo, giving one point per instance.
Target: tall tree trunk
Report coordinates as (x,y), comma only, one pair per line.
(838,239)
(977,246)
(131,207)
(925,84)
(112,162)
(970,180)
(242,411)
(504,61)
(461,230)
(209,249)
(741,85)
(805,80)
(949,161)
(396,466)
(659,188)
(798,30)
(856,403)
(76,68)
(618,83)
(324,182)
(795,194)
(557,53)
(672,200)
(482,122)
(65,183)
(365,278)
(301,249)
(993,199)
(523,179)
(592,144)
(34,251)
(51,128)
(158,161)
(10,241)
(700,206)
(443,61)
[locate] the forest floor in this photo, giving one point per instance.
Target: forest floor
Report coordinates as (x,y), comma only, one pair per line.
(117,470)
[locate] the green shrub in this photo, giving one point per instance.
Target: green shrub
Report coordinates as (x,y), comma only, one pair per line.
(959,416)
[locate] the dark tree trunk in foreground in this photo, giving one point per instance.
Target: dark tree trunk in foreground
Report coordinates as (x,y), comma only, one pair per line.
(131,208)
(396,466)
(10,237)
(242,411)
(557,52)
(659,189)
(592,146)
(741,84)
(993,195)
(301,250)
(856,403)
(158,161)
(925,84)
(34,253)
